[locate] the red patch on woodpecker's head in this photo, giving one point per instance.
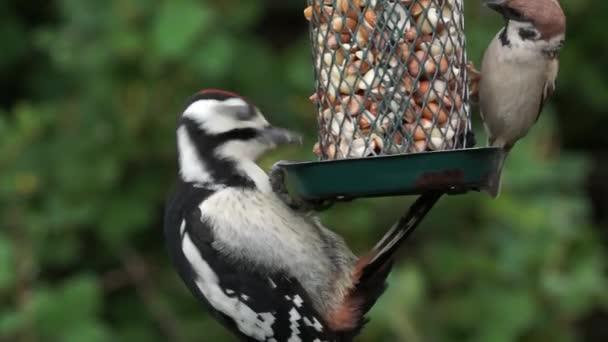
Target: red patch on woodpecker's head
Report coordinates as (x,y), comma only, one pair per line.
(213,94)
(219,92)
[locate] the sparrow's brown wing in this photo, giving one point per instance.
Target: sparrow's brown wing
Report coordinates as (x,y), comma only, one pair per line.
(549,86)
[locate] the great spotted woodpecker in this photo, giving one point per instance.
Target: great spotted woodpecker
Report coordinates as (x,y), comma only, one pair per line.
(266,271)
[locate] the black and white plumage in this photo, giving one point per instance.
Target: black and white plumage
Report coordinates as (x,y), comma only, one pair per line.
(519,69)
(263,269)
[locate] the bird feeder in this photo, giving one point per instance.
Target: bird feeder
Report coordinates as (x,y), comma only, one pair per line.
(392,102)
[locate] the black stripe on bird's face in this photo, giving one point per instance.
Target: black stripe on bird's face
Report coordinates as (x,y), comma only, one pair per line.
(513,14)
(211,141)
(223,170)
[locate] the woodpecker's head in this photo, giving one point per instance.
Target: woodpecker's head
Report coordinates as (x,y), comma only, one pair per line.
(220,135)
(537,23)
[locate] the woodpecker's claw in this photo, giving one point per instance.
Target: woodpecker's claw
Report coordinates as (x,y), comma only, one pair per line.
(277,184)
(277,178)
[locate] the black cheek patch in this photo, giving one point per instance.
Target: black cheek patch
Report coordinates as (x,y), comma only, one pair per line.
(527,34)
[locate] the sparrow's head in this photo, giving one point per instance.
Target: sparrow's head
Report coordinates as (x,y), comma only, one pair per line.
(539,21)
(219,131)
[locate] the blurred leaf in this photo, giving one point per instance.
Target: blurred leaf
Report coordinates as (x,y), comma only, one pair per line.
(216,56)
(178,25)
(11,322)
(91,94)
(86,331)
(60,311)
(7,272)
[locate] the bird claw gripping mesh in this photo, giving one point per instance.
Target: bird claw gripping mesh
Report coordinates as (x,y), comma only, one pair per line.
(390,76)
(278,186)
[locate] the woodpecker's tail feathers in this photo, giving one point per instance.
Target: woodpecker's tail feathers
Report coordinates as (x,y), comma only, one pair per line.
(350,318)
(371,271)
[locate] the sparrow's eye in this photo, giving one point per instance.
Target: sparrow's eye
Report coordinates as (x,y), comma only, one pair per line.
(513,14)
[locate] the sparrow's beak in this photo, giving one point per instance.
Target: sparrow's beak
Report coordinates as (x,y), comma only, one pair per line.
(281,136)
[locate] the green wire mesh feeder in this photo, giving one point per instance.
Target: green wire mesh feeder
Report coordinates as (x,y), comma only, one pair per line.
(392,97)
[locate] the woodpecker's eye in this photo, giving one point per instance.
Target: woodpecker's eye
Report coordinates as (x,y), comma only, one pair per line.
(245,113)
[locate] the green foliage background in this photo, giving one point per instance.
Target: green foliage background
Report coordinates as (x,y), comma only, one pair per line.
(90,95)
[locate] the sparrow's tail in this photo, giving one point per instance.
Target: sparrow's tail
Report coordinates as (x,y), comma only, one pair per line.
(496,181)
(373,269)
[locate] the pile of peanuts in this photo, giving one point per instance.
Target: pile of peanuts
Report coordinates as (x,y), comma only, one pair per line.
(390,76)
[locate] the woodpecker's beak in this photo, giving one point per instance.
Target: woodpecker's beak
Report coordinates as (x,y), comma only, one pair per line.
(281,136)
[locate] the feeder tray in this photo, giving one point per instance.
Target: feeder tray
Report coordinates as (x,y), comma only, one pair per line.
(392,92)
(451,172)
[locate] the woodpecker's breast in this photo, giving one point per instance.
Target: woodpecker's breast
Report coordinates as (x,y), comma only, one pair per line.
(257,228)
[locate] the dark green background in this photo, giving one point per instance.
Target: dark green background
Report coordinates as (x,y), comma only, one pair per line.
(89,95)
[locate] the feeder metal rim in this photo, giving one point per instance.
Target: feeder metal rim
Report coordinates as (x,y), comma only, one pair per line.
(453,172)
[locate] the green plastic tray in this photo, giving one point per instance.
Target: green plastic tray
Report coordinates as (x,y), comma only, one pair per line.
(457,171)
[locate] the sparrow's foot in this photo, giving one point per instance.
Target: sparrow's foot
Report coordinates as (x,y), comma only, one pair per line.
(474,77)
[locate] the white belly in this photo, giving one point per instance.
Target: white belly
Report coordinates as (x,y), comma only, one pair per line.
(510,93)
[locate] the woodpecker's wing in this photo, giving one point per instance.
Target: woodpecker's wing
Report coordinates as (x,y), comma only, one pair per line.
(549,86)
(255,305)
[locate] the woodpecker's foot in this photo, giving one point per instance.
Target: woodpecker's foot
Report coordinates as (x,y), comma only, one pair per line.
(277,184)
(309,206)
